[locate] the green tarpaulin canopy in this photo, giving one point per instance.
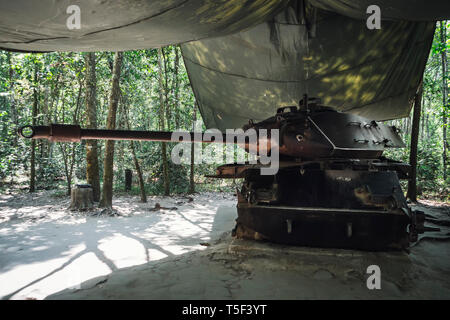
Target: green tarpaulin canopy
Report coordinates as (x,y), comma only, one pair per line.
(248,75)
(112,25)
(247,58)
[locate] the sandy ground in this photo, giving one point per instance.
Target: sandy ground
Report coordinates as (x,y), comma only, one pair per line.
(188,253)
(45,248)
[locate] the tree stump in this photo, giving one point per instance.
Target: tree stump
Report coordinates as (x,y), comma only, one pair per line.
(82,197)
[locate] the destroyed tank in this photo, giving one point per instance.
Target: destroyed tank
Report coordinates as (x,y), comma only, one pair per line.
(331,188)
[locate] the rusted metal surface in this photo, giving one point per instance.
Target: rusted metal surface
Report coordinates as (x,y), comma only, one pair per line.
(345,208)
(74,133)
(320,227)
(237,170)
(314,131)
(311,132)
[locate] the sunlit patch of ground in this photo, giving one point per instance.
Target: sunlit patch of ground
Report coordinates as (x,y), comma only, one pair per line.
(44,248)
(434,203)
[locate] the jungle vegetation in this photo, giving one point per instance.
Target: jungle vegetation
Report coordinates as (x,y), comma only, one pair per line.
(150,90)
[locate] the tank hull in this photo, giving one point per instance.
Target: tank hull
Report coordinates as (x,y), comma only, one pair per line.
(350,204)
(323,227)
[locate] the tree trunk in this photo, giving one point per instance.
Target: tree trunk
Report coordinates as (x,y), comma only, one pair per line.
(14,116)
(139,172)
(162,124)
(166,91)
(69,162)
(135,160)
(13,109)
(422,124)
(53,107)
(128,179)
(45,144)
(108,173)
(176,88)
(412,183)
(55,98)
(444,96)
(121,125)
(92,171)
(191,175)
(33,141)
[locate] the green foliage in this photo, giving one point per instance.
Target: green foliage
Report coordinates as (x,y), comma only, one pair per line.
(430,147)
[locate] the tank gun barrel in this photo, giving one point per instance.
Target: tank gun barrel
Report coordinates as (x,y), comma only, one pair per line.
(74,133)
(311,132)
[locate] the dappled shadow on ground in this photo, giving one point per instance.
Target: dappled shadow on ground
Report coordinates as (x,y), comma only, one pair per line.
(45,248)
(435,205)
(145,254)
(243,269)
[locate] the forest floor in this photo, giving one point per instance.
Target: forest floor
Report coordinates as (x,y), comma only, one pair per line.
(186,251)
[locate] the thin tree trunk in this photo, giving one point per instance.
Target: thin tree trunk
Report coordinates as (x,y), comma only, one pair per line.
(45,144)
(166,90)
(176,89)
(139,172)
(444,96)
(92,170)
(121,125)
(70,162)
(422,124)
(52,110)
(412,183)
(108,173)
(55,98)
(408,126)
(14,117)
(404,129)
(191,175)
(162,91)
(33,142)
(68,165)
(135,160)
